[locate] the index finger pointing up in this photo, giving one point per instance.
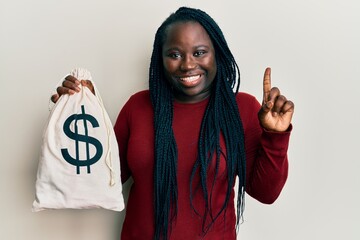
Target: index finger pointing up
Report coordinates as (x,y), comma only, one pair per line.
(267,84)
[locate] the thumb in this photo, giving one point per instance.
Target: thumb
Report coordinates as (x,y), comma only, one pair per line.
(88,83)
(264,110)
(267,106)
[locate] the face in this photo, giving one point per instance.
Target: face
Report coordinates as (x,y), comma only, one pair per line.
(189,61)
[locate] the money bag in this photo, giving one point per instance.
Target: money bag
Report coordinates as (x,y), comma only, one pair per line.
(79,165)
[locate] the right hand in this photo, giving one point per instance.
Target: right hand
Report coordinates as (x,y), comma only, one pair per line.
(71,86)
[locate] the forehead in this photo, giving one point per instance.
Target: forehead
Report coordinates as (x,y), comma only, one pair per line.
(189,32)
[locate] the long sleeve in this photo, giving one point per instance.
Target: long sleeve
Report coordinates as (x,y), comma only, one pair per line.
(266,154)
(122,133)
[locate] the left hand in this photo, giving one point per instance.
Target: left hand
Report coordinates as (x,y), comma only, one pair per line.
(276,111)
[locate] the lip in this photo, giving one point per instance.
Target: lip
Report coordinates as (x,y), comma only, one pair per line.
(190,80)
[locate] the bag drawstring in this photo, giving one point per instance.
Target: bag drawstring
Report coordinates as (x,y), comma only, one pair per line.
(108,158)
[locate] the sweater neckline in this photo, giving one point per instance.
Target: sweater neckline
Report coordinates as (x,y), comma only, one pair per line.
(202,103)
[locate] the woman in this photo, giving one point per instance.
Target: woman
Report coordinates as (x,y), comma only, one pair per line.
(186,139)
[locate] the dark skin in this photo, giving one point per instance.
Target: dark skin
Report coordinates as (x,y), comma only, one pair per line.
(189,61)
(70,86)
(190,66)
(276,111)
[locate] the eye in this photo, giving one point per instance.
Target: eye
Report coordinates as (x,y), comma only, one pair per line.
(199,53)
(174,55)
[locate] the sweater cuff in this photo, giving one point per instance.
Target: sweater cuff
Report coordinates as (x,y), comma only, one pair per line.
(276,142)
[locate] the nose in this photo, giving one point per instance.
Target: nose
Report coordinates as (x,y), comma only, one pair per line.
(188,63)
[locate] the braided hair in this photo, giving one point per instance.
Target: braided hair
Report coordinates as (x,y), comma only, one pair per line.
(221,117)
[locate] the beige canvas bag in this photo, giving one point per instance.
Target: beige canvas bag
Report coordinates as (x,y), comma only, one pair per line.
(79,165)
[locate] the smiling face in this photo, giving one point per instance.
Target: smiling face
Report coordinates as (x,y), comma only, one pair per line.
(189,61)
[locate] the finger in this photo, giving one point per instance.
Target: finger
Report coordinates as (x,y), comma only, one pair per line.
(279,103)
(65,90)
(272,96)
(72,84)
(55,98)
(72,79)
(288,107)
(266,85)
(286,115)
(266,107)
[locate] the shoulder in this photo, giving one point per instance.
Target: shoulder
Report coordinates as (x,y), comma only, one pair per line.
(138,102)
(141,96)
(138,107)
(248,107)
(246,100)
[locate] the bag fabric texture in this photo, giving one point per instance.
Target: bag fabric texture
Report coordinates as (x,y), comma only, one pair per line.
(79,165)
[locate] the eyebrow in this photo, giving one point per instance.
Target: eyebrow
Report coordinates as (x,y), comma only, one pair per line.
(195,47)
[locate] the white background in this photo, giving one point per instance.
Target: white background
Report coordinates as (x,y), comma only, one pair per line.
(312,47)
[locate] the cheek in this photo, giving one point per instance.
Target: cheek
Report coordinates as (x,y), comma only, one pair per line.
(212,67)
(169,66)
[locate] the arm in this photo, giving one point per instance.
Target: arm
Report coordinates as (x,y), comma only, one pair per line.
(122,132)
(266,142)
(267,162)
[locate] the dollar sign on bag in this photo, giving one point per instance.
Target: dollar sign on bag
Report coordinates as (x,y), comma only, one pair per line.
(82,138)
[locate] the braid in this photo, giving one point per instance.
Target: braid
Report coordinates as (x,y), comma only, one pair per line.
(221,117)
(165,185)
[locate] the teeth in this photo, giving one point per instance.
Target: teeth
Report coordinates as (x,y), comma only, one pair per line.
(190,79)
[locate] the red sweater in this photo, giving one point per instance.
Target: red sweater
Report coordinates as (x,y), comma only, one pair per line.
(266,161)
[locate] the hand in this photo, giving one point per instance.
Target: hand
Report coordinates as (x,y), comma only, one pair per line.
(70,86)
(276,111)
